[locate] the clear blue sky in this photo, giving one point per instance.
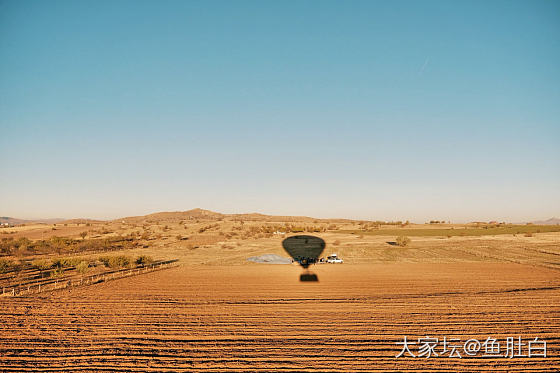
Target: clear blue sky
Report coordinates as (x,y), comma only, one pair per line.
(363,109)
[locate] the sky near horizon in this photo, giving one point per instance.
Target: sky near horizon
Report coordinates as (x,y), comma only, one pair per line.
(387,110)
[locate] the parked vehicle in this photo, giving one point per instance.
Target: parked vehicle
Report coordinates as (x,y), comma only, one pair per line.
(333,258)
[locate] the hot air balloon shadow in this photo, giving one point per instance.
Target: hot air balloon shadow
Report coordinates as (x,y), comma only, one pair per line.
(306,251)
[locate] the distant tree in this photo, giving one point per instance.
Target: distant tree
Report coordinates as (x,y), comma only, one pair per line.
(83,235)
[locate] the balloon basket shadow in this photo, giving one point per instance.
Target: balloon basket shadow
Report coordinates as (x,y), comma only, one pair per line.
(308,277)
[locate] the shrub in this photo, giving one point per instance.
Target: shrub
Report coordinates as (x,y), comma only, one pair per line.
(66,262)
(41,264)
(528,234)
(5,265)
(144,259)
(336,243)
(58,272)
(115,261)
(82,267)
(58,263)
(403,241)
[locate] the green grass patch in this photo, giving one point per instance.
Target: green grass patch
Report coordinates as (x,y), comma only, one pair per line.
(474,231)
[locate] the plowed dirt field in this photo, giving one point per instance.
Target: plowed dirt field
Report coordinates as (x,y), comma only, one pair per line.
(261,318)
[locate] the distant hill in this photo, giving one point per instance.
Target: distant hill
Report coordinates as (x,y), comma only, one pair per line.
(175,216)
(551,221)
(205,215)
(280,218)
(16,221)
(201,214)
(79,221)
(11,221)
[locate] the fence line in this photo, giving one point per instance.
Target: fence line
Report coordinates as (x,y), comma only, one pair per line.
(64,283)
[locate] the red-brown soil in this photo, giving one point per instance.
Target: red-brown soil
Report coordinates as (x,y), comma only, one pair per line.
(261,318)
